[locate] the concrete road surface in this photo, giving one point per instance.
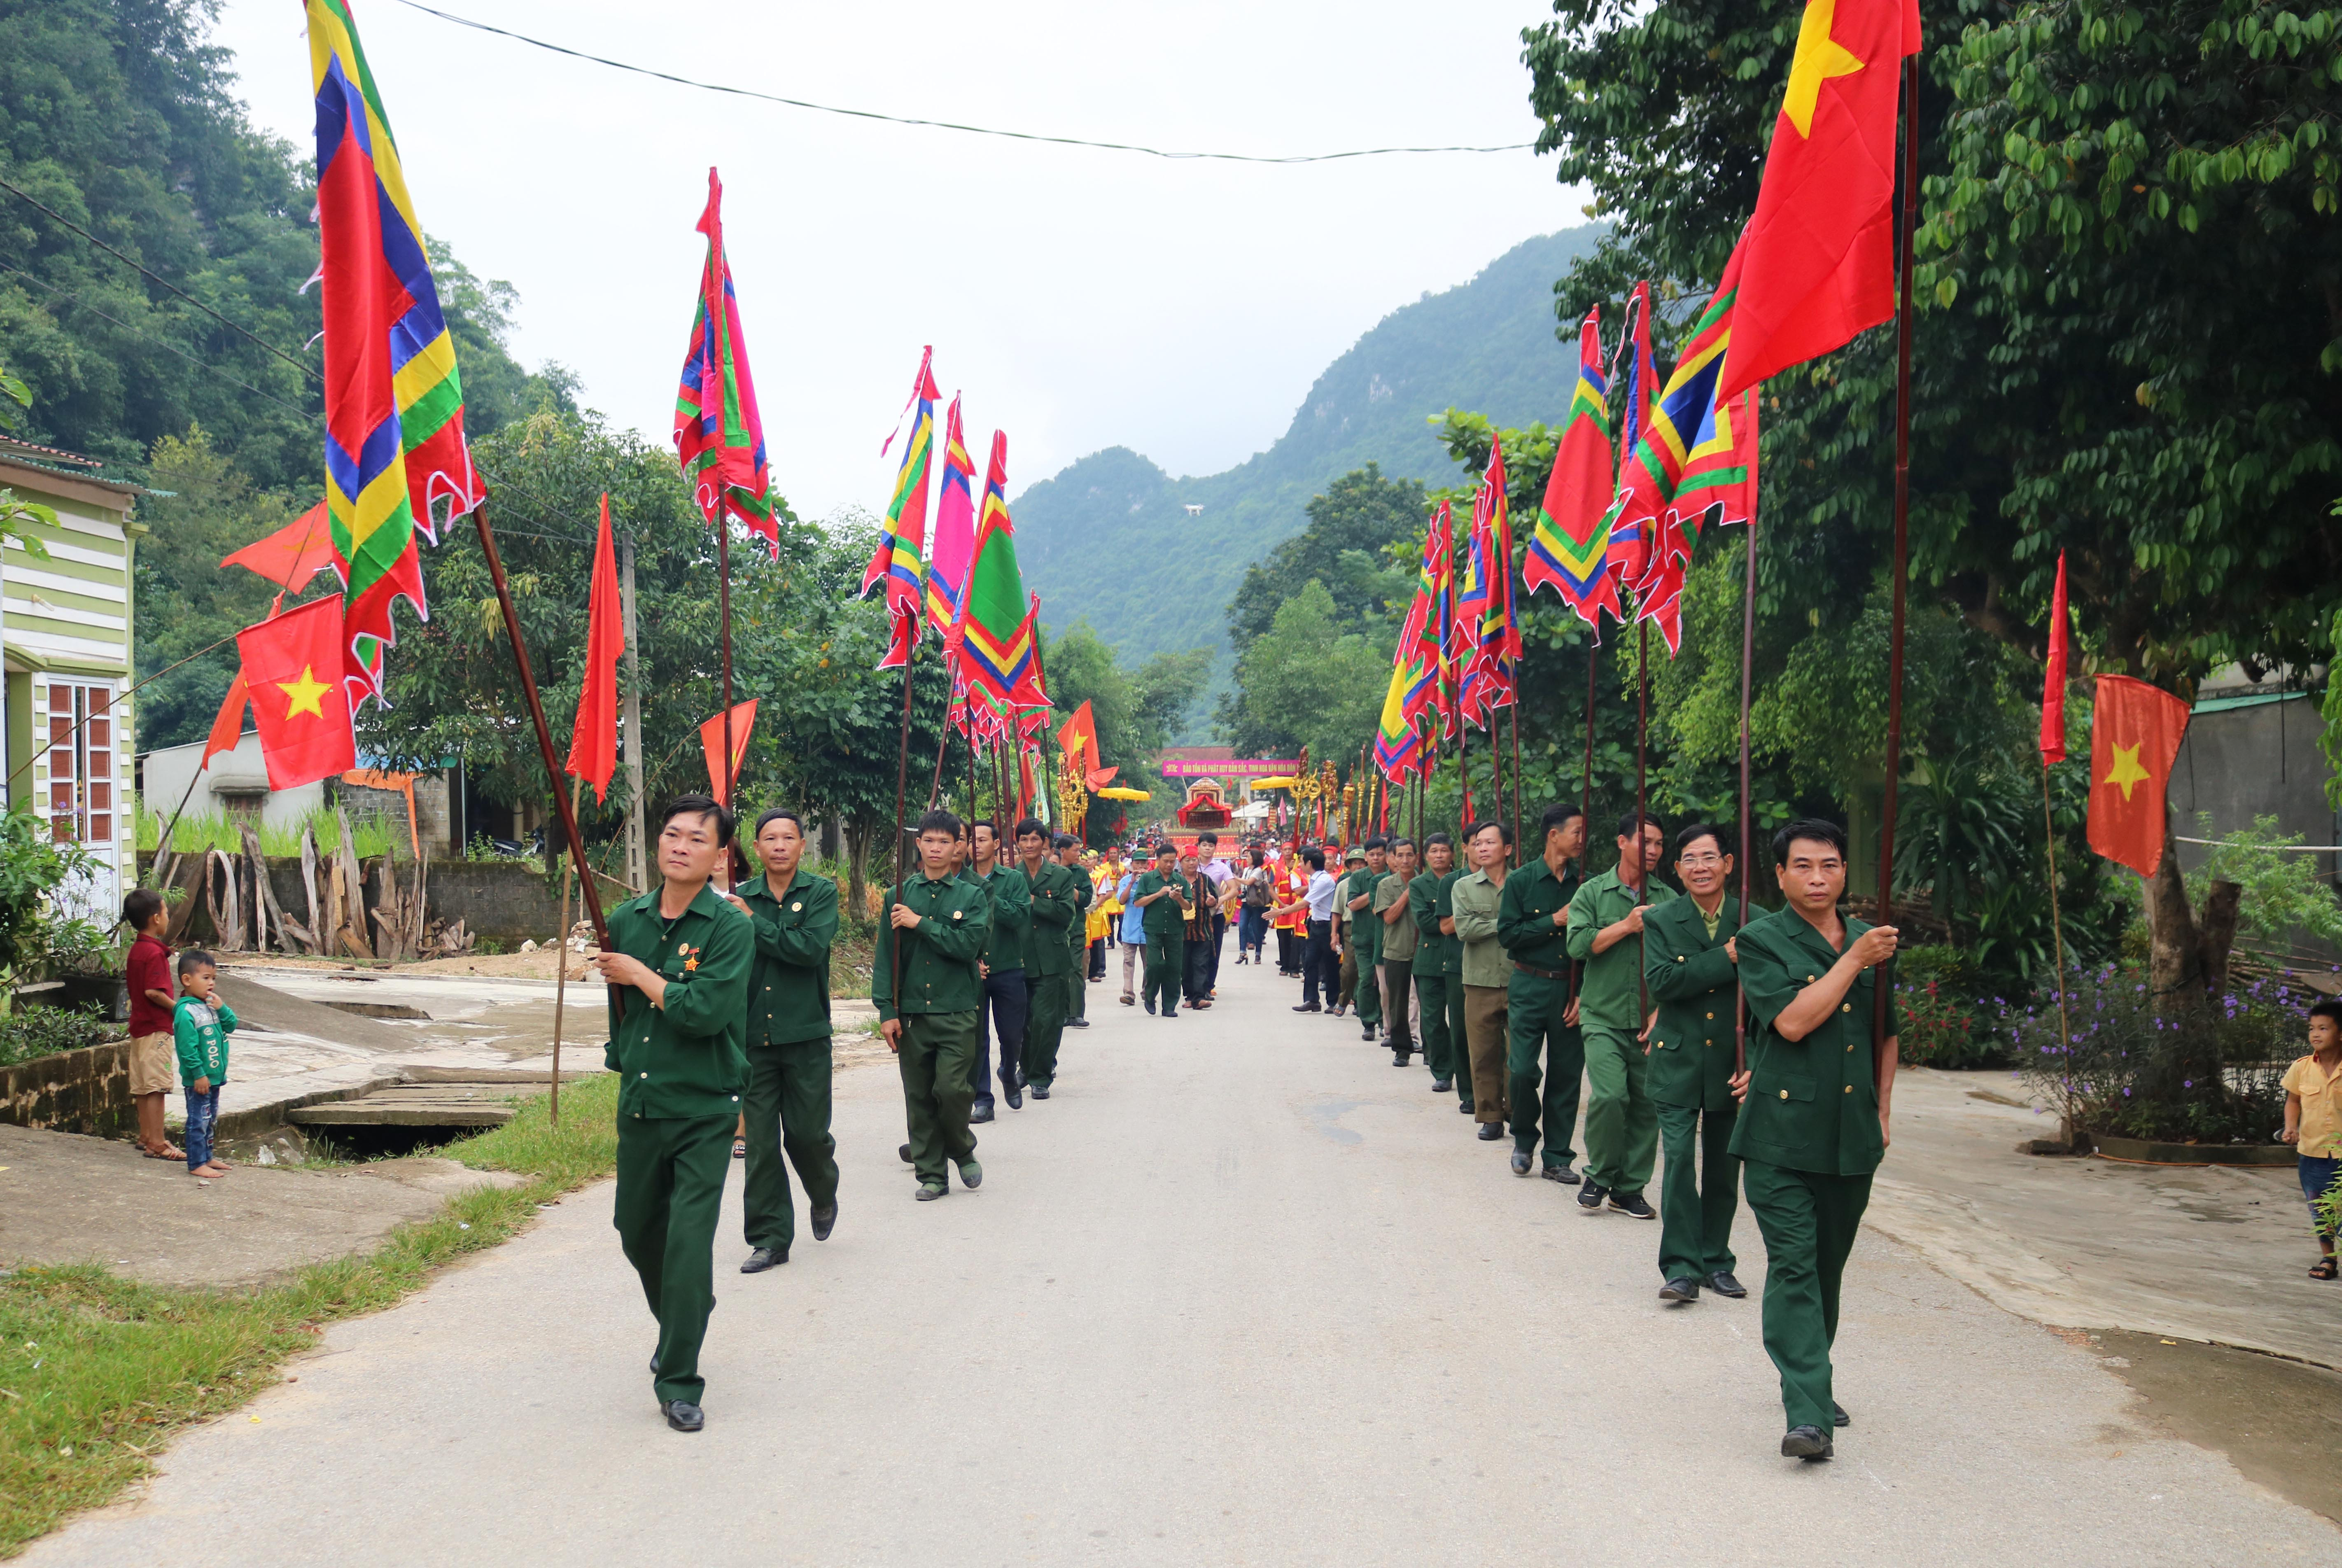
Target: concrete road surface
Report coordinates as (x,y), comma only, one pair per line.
(1241,1292)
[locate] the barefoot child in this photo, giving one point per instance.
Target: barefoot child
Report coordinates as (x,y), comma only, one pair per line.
(200,1025)
(2313,1121)
(148,971)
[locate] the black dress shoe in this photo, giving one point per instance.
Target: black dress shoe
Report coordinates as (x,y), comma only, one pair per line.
(1634,1204)
(1685,1289)
(1150,1005)
(1724,1285)
(980,1113)
(1520,1162)
(1590,1196)
(1077,1023)
(1015,1096)
(654,1364)
(1491,1131)
(684,1415)
(1401,1059)
(903,1152)
(825,1220)
(1466,1107)
(1838,1417)
(762,1258)
(1308,1007)
(1441,1085)
(1807,1442)
(1562,1173)
(1368,1035)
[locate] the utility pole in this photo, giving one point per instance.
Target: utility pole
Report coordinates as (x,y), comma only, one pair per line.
(637,854)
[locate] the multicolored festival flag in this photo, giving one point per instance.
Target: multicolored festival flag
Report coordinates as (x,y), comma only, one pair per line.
(1570,550)
(1630,542)
(719,436)
(1821,243)
(1425,649)
(993,635)
(954,542)
(1490,632)
(393,404)
(896,562)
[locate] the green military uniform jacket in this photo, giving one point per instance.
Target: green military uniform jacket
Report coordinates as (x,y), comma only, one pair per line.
(1012,914)
(1610,995)
(1476,898)
(1533,895)
(1161,918)
(1813,1103)
(1696,986)
(1394,941)
(1077,932)
(689,1057)
(1366,931)
(939,958)
(788,988)
(1427,901)
(1052,893)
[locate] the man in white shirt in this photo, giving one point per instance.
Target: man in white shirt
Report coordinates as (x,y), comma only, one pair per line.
(1318,962)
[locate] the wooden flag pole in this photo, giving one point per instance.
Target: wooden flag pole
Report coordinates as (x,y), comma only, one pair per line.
(1642,731)
(723,617)
(1520,847)
(561,969)
(2056,927)
(1748,826)
(902,788)
(1881,999)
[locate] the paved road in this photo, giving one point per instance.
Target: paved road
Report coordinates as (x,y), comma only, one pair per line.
(1242,1293)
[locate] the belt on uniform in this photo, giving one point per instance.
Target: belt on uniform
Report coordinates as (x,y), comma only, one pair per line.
(1541,973)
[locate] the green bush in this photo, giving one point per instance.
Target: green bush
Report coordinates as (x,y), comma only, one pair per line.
(33,1031)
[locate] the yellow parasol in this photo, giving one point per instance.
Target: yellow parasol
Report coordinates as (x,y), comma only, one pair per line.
(1279,782)
(1117,792)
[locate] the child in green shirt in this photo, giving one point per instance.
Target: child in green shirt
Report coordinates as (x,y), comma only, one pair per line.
(200,1025)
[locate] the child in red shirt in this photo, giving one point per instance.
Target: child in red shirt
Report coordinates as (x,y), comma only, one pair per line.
(154,1066)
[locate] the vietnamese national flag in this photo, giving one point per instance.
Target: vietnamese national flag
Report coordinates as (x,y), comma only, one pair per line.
(2134,736)
(711,742)
(292,665)
(594,745)
(1820,249)
(2053,683)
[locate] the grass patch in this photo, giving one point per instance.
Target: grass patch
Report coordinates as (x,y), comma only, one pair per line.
(97,1373)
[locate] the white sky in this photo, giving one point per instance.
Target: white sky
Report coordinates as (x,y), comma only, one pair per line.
(1083,298)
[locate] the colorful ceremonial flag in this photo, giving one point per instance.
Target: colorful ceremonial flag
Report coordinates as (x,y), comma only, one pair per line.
(1821,244)
(1424,649)
(1488,635)
(1569,549)
(2053,682)
(2134,736)
(292,555)
(393,404)
(291,666)
(1630,541)
(954,542)
(995,632)
(594,744)
(711,747)
(719,436)
(1688,452)
(896,564)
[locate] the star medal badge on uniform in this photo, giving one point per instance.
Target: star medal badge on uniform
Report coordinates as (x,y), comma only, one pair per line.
(690,957)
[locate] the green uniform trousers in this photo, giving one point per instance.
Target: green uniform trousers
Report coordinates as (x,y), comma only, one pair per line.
(1346,978)
(938,1052)
(1165,955)
(1446,1044)
(1395,981)
(787,1108)
(1543,1100)
(1484,1016)
(1622,1130)
(1697,1205)
(1077,986)
(1808,1221)
(1368,992)
(1044,1026)
(670,1194)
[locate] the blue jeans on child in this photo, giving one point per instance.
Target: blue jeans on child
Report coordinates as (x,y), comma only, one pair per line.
(2318,1174)
(202,1115)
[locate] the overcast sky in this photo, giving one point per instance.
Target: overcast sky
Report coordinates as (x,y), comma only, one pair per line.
(1081,299)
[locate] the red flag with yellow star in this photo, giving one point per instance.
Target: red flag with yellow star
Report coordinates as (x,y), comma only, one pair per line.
(292,665)
(1818,263)
(2134,734)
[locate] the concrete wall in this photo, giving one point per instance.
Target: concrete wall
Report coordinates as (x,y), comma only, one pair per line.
(85,1091)
(2249,755)
(235,781)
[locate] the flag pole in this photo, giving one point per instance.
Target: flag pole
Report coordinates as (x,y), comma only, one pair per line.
(901,788)
(724,615)
(2056,927)
(1748,825)
(1880,1001)
(561,969)
(537,716)
(1642,729)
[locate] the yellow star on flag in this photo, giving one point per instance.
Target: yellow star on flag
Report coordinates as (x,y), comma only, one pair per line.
(1819,58)
(308,695)
(2126,775)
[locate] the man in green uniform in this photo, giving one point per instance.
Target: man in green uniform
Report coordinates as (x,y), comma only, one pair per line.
(1004,1008)
(1394,940)
(1813,1110)
(1362,934)
(794,915)
(1688,958)
(1163,895)
(1078,935)
(937,921)
(1540,1012)
(1047,958)
(1433,912)
(1606,933)
(1478,898)
(679,968)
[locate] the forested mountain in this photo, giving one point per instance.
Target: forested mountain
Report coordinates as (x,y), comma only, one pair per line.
(1109,538)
